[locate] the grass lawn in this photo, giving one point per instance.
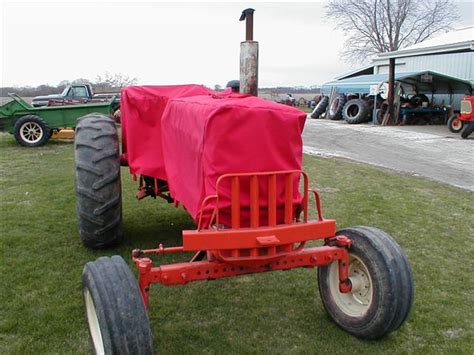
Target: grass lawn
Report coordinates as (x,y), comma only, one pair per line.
(281,312)
(305,109)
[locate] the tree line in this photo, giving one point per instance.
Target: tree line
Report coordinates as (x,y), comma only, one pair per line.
(102,83)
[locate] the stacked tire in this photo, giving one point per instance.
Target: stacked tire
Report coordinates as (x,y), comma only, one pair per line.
(98,190)
(356,111)
(336,107)
(320,107)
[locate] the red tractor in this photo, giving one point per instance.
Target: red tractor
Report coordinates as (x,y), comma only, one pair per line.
(235,164)
(464,121)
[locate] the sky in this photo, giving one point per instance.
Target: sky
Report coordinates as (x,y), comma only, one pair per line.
(170,43)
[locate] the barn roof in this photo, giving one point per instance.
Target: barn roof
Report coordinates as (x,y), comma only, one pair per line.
(461,39)
(425,81)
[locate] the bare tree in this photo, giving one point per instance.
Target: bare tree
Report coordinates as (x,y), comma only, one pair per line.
(116,80)
(80,81)
(377,26)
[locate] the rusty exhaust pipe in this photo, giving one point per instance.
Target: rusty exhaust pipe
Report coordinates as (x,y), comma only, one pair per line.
(248,57)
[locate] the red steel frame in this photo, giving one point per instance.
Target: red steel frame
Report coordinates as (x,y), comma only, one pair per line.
(236,251)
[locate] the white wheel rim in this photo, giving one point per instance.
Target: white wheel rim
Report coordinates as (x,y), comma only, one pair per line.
(31,132)
(356,302)
(93,322)
(456,124)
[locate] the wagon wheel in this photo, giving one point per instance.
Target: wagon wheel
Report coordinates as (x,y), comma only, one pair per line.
(382,285)
(455,125)
(115,313)
(31,131)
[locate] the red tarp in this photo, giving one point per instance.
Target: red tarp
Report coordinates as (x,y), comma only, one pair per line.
(141,108)
(205,137)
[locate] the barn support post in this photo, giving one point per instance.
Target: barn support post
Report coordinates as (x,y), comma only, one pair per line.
(391,91)
(248,57)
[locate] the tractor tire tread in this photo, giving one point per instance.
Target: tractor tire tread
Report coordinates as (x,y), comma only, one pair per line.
(362,114)
(320,107)
(121,313)
(467,130)
(406,290)
(98,188)
(393,286)
(336,114)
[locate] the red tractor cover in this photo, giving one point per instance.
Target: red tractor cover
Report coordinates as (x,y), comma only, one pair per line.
(141,108)
(205,137)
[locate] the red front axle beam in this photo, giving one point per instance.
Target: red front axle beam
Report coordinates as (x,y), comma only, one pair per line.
(182,273)
(279,245)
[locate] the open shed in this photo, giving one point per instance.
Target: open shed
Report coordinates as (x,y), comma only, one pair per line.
(444,89)
(426,82)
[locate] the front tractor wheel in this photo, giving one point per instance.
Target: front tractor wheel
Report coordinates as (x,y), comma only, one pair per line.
(98,190)
(455,125)
(115,313)
(382,285)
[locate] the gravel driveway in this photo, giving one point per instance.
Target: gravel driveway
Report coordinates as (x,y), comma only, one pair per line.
(429,151)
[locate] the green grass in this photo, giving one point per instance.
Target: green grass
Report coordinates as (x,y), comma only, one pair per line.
(281,312)
(305,109)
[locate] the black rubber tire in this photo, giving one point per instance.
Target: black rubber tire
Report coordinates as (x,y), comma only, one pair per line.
(320,107)
(98,190)
(392,285)
(356,111)
(111,291)
(455,125)
(336,106)
(38,124)
(468,130)
(418,99)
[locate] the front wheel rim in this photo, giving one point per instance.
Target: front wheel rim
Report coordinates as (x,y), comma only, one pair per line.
(93,322)
(31,132)
(456,124)
(357,302)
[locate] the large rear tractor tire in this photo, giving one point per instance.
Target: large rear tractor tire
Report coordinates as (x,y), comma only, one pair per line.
(356,111)
(336,105)
(98,190)
(31,131)
(382,285)
(116,315)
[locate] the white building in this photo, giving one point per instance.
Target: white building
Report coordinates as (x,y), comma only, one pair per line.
(451,54)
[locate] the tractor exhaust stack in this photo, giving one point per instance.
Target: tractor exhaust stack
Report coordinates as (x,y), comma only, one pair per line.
(248,57)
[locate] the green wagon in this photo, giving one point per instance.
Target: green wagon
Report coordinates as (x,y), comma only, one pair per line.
(33,126)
